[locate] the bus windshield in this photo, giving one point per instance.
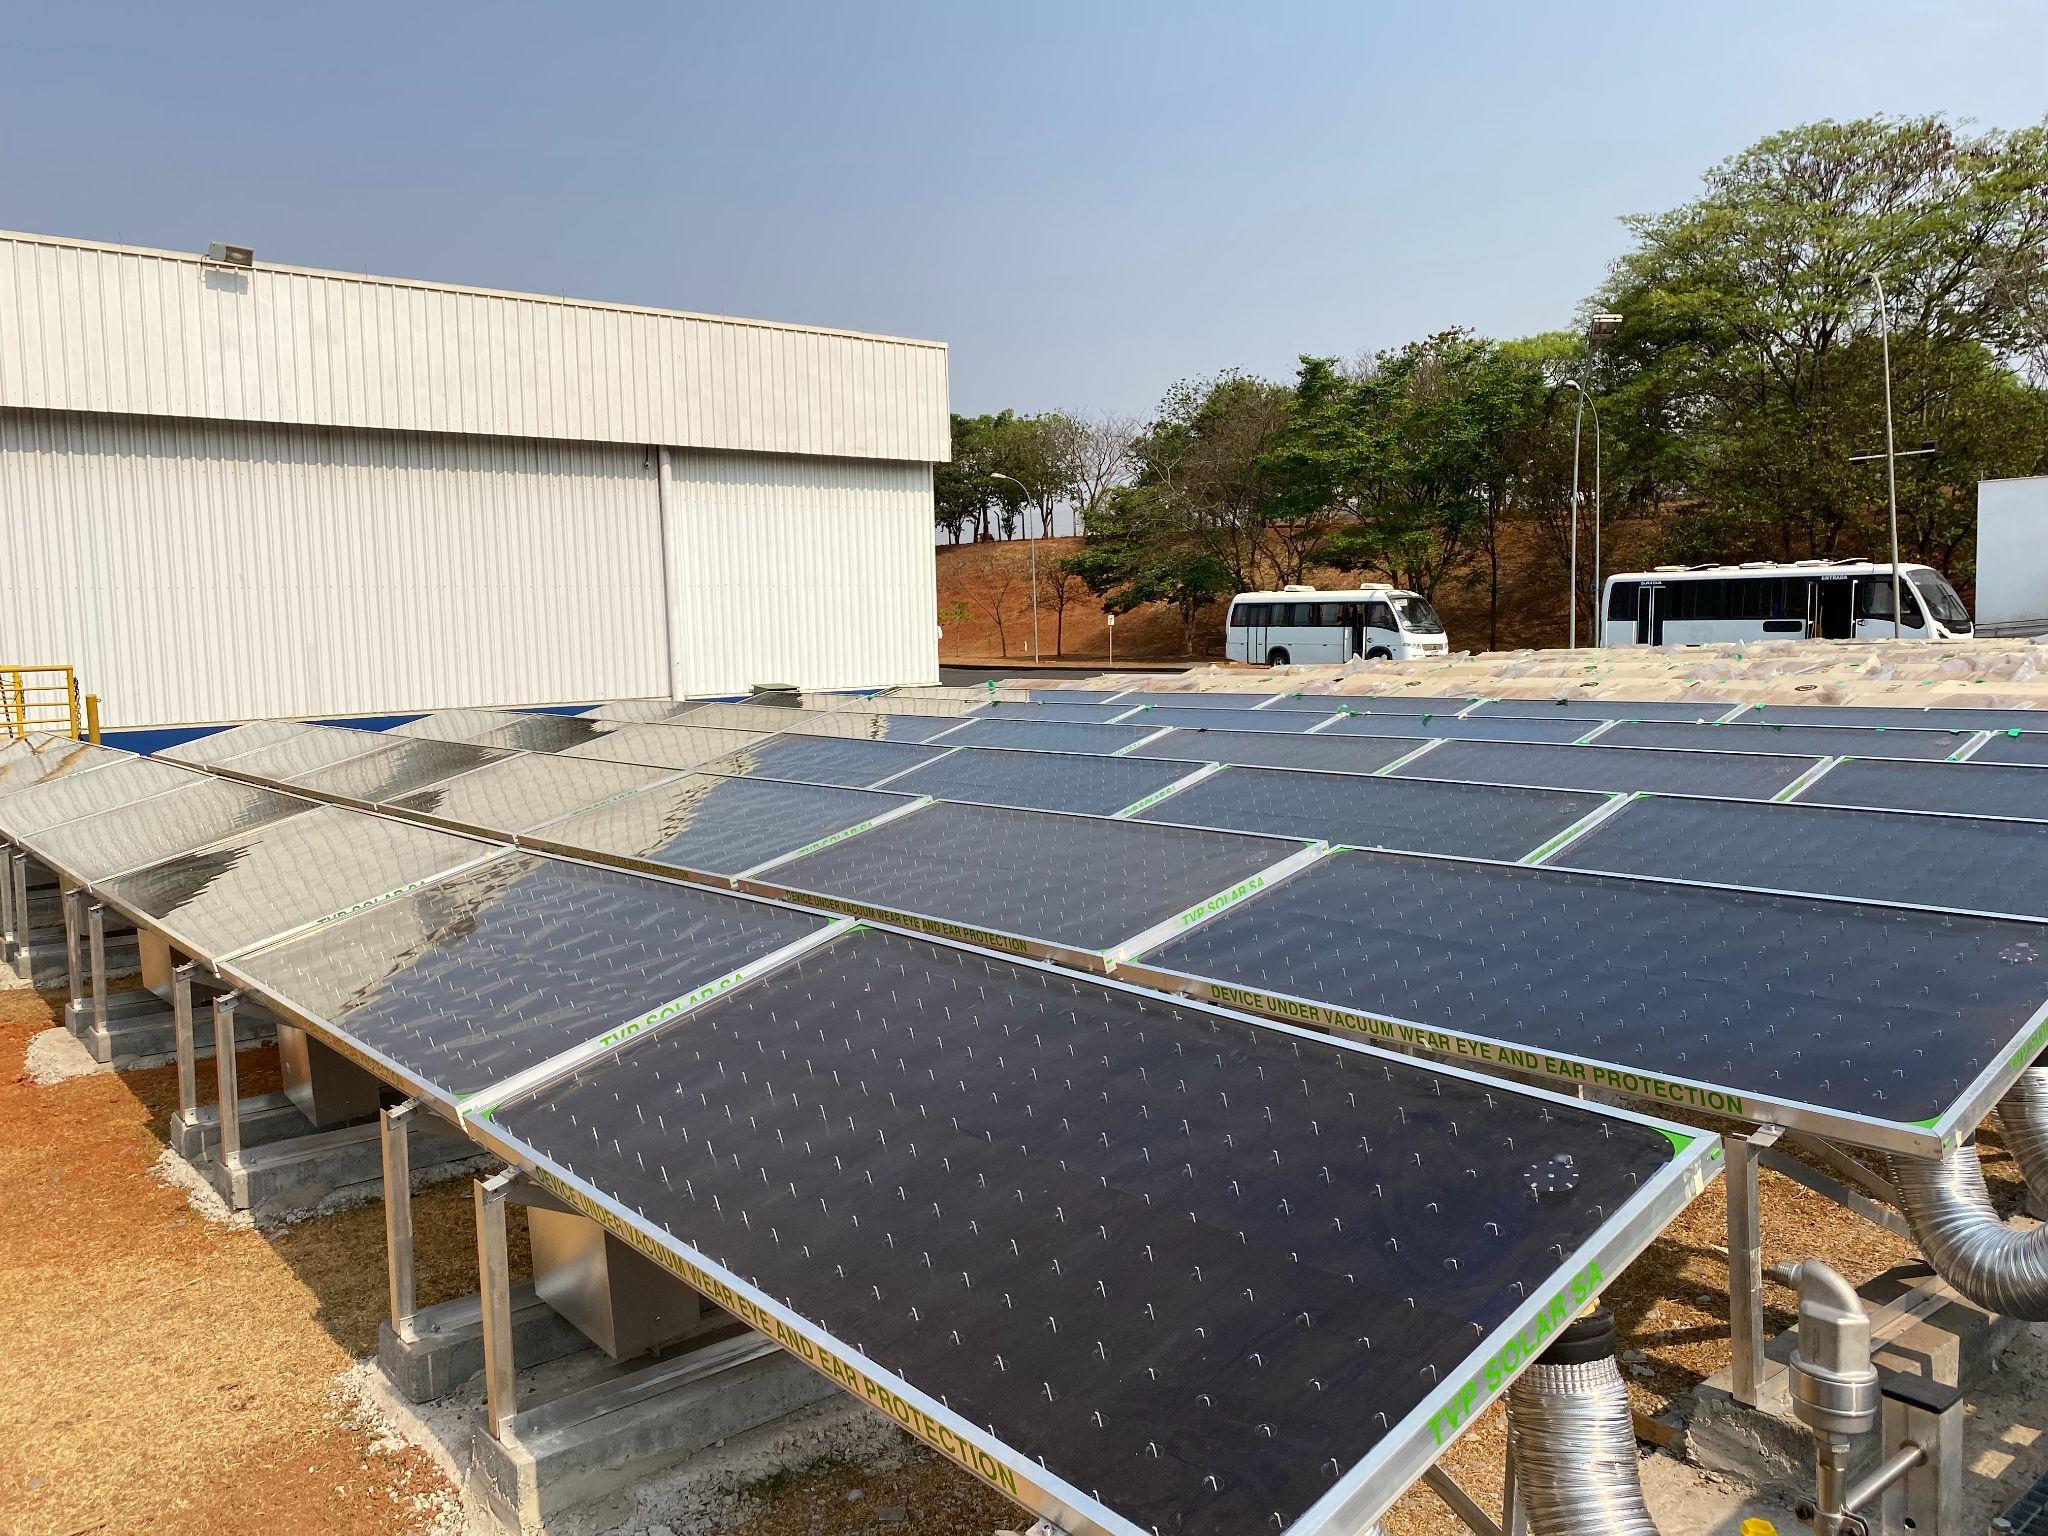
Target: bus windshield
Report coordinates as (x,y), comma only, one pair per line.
(1940,598)
(1418,617)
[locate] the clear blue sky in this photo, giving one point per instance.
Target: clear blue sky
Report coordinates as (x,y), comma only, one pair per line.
(1087,201)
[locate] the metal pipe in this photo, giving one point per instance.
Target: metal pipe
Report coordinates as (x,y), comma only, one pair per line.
(2023,1121)
(2003,1269)
(1574,1439)
(1867,1492)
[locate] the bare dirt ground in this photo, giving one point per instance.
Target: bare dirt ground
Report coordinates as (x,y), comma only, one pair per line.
(174,1374)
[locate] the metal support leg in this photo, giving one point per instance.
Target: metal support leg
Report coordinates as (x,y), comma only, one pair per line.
(7,927)
(96,949)
(494,1270)
(398,1262)
(1927,1499)
(224,1072)
(188,1051)
(74,932)
(1745,1265)
(18,871)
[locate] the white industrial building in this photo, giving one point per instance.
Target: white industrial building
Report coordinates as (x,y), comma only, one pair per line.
(236,491)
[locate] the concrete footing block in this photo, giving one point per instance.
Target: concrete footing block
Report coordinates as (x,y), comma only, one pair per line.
(317,1169)
(1919,1327)
(266,1118)
(141,1032)
(445,1346)
(584,1450)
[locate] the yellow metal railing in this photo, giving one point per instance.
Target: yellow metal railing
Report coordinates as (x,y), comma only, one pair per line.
(38,699)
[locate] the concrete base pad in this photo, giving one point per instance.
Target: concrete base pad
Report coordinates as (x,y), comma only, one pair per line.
(1919,1327)
(591,1444)
(266,1118)
(315,1169)
(445,1348)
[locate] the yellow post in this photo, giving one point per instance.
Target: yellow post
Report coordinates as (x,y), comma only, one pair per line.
(16,704)
(71,699)
(92,718)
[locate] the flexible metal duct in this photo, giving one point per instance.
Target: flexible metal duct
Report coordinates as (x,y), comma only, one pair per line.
(1574,1441)
(2001,1268)
(2023,1121)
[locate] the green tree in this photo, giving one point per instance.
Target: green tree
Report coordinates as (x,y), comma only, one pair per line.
(1141,549)
(1748,371)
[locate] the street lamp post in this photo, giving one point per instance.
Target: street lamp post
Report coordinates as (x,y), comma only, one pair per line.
(1601,326)
(1891,460)
(1033,541)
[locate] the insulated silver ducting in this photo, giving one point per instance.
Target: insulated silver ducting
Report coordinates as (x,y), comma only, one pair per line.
(2003,1269)
(2023,1122)
(1574,1440)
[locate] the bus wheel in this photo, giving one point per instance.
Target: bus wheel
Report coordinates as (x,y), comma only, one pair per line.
(1379,653)
(1276,658)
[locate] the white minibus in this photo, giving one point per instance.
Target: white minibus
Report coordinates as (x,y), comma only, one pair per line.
(1299,625)
(1759,600)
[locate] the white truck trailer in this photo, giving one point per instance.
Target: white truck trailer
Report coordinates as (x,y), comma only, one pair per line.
(2012,556)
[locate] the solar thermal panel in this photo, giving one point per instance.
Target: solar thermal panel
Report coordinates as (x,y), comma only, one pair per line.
(1941,861)
(718,826)
(1472,820)
(301,870)
(475,979)
(1188,1288)
(1731,775)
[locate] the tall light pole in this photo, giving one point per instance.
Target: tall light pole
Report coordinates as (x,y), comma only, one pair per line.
(1601,326)
(1578,419)
(1891,458)
(1035,658)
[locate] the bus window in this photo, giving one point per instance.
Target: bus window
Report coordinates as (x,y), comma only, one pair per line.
(1330,614)
(1621,601)
(1249,616)
(1874,601)
(1940,598)
(1379,616)
(1418,617)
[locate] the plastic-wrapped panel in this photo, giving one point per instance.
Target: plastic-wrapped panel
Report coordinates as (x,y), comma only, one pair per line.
(1802,740)
(509,796)
(1730,775)
(1049,736)
(473,980)
(1936,861)
(1374,703)
(1071,880)
(1043,781)
(1074,695)
(1962,789)
(164,826)
(314,748)
(71,795)
(1450,728)
(545,733)
(219,746)
(397,769)
(1481,821)
(1085,714)
(1266,749)
(304,869)
(459,724)
(1193,1266)
(823,760)
(717,825)
(2012,747)
(643,711)
(662,746)
(1851,1008)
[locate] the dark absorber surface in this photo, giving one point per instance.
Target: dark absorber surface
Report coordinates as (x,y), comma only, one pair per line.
(1866,1010)
(1194,1265)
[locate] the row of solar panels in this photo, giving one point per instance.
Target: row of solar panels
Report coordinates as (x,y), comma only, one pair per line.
(1651,978)
(1700,711)
(1142,1264)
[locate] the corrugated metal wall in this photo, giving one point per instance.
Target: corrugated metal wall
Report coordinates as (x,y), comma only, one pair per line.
(88,327)
(817,572)
(194,571)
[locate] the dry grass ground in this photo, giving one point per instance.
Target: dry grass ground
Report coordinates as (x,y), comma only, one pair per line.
(172,1374)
